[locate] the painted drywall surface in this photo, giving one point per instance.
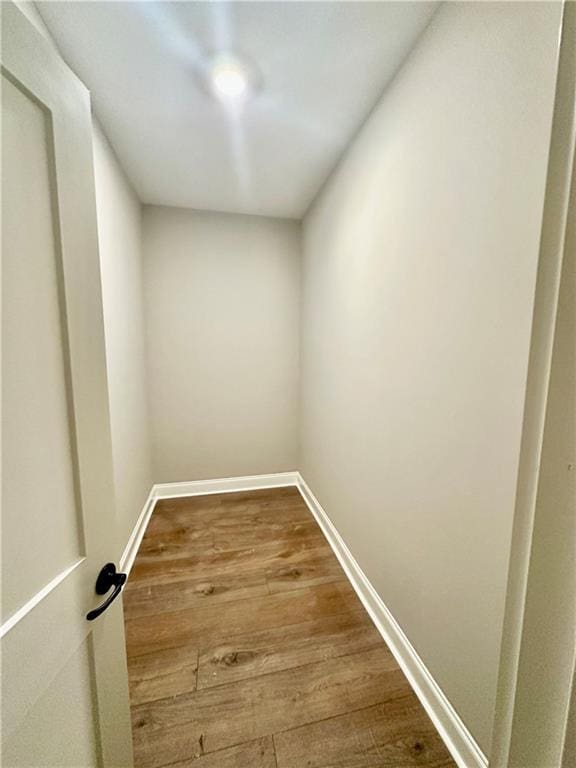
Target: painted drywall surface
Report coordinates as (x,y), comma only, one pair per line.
(119,236)
(418,280)
(28,8)
(222,305)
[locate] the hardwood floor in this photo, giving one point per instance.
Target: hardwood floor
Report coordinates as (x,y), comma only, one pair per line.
(247,647)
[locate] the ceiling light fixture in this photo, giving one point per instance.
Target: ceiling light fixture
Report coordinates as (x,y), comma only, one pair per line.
(229,82)
(229,78)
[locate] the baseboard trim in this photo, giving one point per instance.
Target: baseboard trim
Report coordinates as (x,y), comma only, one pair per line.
(133,545)
(447,722)
(452,730)
(225,485)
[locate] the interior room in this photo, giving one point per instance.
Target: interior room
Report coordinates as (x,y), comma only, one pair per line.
(288,384)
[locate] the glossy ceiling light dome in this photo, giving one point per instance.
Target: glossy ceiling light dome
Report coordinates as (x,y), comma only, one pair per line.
(230,78)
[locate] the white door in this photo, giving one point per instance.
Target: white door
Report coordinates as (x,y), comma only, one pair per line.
(64,679)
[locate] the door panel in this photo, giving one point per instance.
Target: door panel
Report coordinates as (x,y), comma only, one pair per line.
(65,707)
(39,474)
(37,647)
(64,682)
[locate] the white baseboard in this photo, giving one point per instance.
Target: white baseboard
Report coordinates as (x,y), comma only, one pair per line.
(454,733)
(225,485)
(452,730)
(133,545)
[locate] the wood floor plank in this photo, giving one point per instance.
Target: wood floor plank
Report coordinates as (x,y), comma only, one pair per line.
(218,623)
(233,714)
(272,650)
(315,569)
(194,517)
(211,562)
(224,537)
(258,534)
(232,506)
(176,542)
(253,754)
(160,674)
(155,599)
(389,735)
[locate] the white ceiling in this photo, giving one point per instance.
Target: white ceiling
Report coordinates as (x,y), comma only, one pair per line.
(323,66)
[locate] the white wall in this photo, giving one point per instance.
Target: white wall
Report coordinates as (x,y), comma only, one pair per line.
(119,237)
(419,273)
(222,305)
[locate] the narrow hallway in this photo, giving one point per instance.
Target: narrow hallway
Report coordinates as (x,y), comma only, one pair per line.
(248,647)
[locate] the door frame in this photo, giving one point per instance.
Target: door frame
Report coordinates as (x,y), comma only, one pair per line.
(514,721)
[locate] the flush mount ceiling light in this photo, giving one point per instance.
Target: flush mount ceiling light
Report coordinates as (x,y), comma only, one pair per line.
(229,78)
(229,82)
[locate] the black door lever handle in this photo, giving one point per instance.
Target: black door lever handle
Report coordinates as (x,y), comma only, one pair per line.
(108,577)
